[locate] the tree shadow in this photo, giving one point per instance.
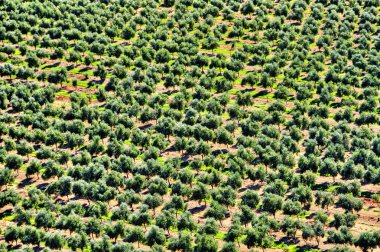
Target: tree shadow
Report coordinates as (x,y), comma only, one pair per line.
(170,92)
(185,163)
(144,127)
(252,63)
(322,186)
(315,101)
(84,69)
(231,41)
(170,149)
(65,146)
(254,187)
(307,247)
(197,209)
(91,83)
(311,216)
(42,186)
(37,147)
(242,189)
(25,182)
(366,194)
(11,111)
(11,247)
(60,201)
(6,213)
(289,240)
(185,157)
(38,248)
(70,67)
(76,198)
(335,105)
(52,65)
(295,23)
(261,93)
(219,151)
(250,187)
(247,90)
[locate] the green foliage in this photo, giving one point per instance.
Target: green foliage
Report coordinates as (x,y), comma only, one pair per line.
(178,123)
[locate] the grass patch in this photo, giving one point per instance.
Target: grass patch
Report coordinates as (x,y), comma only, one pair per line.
(50,66)
(233,91)
(63,93)
(82,83)
(332,188)
(304,214)
(107,217)
(220,235)
(286,247)
(9,218)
